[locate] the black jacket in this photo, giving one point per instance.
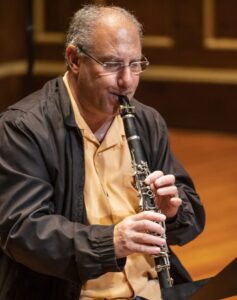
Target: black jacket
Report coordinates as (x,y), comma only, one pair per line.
(48,250)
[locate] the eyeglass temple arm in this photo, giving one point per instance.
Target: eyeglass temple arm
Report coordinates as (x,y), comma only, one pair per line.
(79,46)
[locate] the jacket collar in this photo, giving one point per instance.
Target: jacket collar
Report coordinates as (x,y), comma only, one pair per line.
(65,104)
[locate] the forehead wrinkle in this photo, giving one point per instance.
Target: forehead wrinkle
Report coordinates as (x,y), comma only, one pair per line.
(116,37)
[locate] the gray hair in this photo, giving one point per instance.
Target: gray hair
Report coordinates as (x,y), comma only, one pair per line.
(84,22)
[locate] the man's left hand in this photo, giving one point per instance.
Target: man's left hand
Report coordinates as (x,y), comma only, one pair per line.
(166,192)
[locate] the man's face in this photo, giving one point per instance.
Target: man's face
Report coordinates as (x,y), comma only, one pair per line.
(113,41)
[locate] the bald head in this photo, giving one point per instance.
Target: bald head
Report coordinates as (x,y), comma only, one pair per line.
(86,21)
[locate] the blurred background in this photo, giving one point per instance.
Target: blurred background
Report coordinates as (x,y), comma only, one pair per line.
(192,82)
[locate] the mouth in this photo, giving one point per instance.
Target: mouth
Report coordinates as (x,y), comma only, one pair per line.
(118,94)
(122,99)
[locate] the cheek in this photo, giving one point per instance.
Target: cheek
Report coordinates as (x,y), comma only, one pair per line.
(135,83)
(105,79)
(104,83)
(92,83)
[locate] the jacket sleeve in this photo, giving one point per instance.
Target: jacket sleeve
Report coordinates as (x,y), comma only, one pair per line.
(30,232)
(190,219)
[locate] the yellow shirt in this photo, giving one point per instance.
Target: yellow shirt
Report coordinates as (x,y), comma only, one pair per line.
(109,197)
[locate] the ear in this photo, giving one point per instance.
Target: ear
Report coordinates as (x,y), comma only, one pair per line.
(73,58)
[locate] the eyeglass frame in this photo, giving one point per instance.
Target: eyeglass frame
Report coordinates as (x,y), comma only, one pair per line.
(120,64)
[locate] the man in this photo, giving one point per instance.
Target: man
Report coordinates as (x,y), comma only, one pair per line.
(70,224)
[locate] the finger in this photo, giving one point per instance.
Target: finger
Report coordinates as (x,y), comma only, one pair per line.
(149,239)
(176,201)
(153,176)
(167,191)
(148,226)
(146,249)
(165,180)
(149,215)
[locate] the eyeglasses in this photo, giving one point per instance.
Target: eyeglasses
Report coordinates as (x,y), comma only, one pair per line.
(110,67)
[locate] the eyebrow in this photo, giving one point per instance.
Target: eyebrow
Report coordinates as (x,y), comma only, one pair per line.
(112,58)
(109,58)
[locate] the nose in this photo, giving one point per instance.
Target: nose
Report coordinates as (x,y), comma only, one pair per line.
(125,77)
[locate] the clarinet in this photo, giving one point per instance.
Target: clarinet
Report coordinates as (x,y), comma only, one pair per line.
(145,194)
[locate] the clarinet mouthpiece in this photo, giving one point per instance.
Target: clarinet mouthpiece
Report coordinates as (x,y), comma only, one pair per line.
(123,99)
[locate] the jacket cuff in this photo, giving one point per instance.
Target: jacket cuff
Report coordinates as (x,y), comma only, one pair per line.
(182,217)
(106,251)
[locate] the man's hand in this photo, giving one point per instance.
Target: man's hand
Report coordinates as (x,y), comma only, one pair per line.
(165,191)
(133,234)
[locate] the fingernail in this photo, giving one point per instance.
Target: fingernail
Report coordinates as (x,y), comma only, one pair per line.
(163,242)
(163,217)
(147,181)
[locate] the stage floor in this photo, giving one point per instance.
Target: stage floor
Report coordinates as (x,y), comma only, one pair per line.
(211,160)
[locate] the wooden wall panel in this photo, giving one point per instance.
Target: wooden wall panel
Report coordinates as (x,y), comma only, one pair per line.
(192,105)
(13,21)
(13,50)
(162,11)
(191,44)
(225,19)
(11,89)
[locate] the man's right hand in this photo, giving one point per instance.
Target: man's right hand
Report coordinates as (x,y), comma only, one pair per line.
(139,233)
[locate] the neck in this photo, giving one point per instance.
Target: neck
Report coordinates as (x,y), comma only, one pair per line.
(96,124)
